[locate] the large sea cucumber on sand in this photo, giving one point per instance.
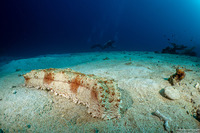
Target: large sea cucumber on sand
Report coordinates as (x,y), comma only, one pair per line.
(100,95)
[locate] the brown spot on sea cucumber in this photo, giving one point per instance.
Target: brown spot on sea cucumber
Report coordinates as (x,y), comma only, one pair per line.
(113,93)
(78,73)
(27,79)
(103,96)
(107,91)
(51,69)
(116,105)
(118,100)
(62,72)
(75,84)
(94,95)
(48,78)
(111,100)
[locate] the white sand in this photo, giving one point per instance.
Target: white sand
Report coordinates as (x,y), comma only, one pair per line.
(141,82)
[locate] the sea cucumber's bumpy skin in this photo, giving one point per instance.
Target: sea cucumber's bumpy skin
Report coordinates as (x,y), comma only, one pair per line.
(100,95)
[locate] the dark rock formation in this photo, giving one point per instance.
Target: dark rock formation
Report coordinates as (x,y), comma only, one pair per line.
(179,49)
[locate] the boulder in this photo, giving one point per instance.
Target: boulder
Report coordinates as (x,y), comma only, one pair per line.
(171,93)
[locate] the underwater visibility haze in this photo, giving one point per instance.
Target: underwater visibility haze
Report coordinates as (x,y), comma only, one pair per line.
(34,27)
(100,66)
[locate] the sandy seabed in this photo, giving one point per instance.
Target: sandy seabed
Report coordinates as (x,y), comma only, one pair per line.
(141,77)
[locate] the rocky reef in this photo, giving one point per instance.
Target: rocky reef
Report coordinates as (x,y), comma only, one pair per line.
(179,49)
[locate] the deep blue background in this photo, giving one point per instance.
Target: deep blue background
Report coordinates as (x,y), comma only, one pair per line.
(34,27)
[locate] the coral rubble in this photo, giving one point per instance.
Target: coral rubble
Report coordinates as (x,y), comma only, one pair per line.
(164,118)
(100,95)
(177,77)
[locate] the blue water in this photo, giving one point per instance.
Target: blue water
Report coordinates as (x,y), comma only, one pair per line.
(35,27)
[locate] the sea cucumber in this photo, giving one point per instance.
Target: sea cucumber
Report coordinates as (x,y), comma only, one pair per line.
(100,95)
